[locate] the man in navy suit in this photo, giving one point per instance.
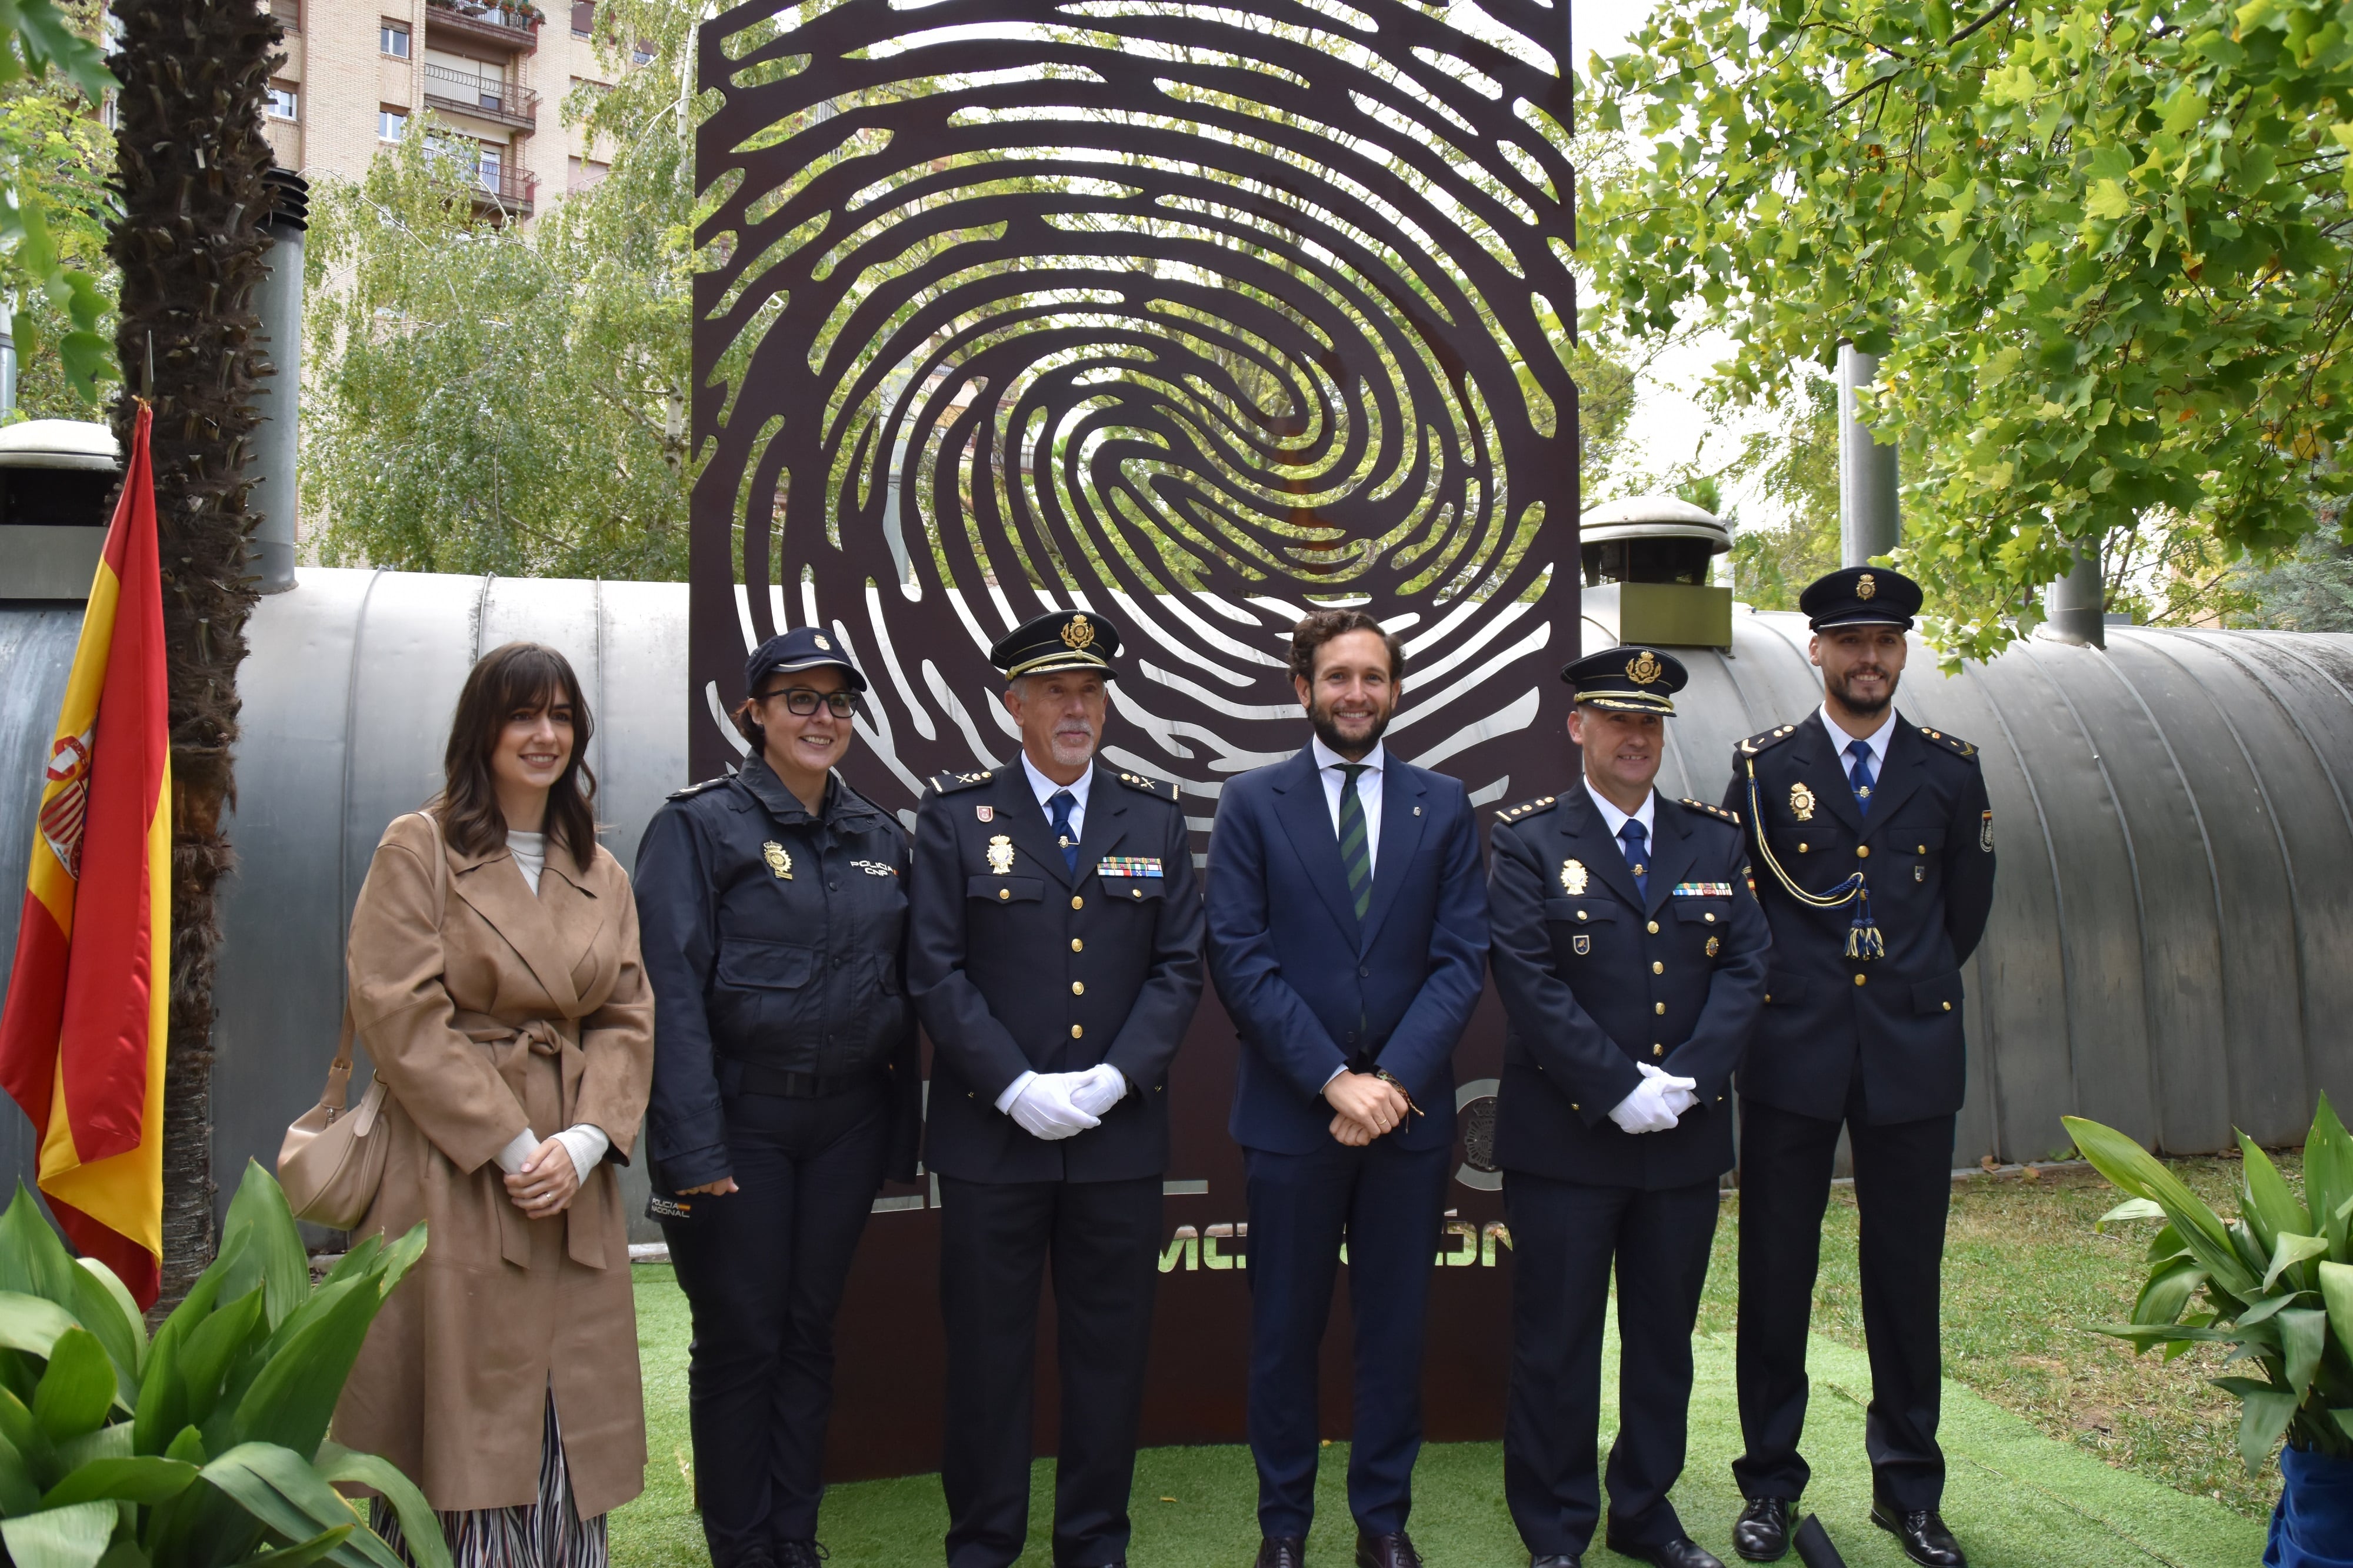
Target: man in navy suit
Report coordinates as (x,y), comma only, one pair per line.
(1347,936)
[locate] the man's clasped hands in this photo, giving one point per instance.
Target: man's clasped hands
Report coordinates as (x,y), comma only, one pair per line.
(1055,1105)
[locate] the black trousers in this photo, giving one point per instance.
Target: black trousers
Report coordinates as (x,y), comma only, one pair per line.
(1902,1185)
(1386,1203)
(1565,1237)
(995,1239)
(762,1268)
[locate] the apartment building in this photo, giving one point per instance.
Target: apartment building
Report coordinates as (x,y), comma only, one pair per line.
(492,76)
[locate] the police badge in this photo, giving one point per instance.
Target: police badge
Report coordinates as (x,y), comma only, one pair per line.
(779,860)
(1573,880)
(1000,855)
(1801,802)
(1580,944)
(985,813)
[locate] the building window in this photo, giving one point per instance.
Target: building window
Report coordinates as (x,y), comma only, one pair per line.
(390,123)
(586,172)
(288,14)
(281,101)
(392,38)
(584,17)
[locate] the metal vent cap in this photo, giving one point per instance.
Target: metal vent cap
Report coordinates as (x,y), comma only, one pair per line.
(1653,516)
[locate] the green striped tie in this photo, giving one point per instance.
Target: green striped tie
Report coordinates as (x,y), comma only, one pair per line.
(1355,849)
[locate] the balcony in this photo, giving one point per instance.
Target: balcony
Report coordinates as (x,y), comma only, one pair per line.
(484,97)
(509,26)
(288,14)
(504,192)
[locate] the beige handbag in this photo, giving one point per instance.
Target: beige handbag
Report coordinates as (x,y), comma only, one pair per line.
(333,1161)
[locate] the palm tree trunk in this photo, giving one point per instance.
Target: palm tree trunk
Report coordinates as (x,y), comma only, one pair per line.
(190,156)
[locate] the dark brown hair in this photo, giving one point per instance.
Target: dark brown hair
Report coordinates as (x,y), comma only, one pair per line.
(520,678)
(1321,625)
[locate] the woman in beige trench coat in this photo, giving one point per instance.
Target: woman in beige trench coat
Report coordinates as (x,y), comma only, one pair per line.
(496,985)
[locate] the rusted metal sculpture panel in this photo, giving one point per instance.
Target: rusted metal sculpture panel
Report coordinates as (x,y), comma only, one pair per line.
(1196,316)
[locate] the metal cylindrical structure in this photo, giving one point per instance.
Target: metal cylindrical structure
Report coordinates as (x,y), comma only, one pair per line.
(2076,604)
(2171,947)
(1868,522)
(275,499)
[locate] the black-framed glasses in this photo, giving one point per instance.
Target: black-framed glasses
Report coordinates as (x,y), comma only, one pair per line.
(801,701)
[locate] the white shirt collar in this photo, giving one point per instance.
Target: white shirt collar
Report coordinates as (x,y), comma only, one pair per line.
(1877,740)
(1326,757)
(1617,819)
(1043,787)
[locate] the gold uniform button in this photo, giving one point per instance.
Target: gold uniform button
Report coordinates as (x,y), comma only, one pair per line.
(1004,893)
(1078,1031)
(1580,914)
(1657,1049)
(1574,1105)
(1078,945)
(1709,919)
(1077,902)
(1078,987)
(1657,968)
(1654,928)
(1658,1006)
(1858,980)
(1801,849)
(1135,892)
(1863,851)
(1948,1006)
(1924,849)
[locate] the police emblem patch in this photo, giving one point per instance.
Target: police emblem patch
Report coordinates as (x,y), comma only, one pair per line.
(1080,632)
(1580,944)
(1715,945)
(1801,802)
(779,860)
(985,813)
(1000,855)
(1985,833)
(875,868)
(1865,587)
(1573,880)
(822,645)
(1643,670)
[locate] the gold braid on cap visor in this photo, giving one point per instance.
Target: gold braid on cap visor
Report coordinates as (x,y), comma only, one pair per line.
(1061,658)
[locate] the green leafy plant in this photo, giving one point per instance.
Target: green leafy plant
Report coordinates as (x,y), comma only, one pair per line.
(206,1446)
(2274,1284)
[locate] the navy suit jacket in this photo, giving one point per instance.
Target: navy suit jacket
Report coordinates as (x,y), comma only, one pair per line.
(1310,988)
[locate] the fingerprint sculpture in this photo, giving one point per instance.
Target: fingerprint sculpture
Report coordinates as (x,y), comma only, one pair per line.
(1193,315)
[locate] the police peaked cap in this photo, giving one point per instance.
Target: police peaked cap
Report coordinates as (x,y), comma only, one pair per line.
(1630,678)
(1860,596)
(1058,640)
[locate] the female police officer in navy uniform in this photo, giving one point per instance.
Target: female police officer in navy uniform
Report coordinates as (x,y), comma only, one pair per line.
(774,910)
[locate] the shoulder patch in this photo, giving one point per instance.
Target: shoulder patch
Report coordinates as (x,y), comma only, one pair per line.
(1764,739)
(948,783)
(1525,808)
(691,791)
(1159,789)
(1717,812)
(1952,743)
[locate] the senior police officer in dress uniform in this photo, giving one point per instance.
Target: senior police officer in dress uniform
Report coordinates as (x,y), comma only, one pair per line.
(1630,955)
(1872,845)
(1056,962)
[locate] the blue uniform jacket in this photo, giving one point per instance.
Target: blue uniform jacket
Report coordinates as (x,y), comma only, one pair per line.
(775,938)
(1310,988)
(1926,851)
(1597,978)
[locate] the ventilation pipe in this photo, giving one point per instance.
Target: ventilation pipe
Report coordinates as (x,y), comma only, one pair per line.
(2076,606)
(275,499)
(1867,519)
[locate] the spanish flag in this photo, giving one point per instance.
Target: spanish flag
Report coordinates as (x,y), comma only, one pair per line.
(81,1029)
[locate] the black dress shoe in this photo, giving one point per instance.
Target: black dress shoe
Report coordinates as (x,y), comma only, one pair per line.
(1682,1552)
(1922,1530)
(1281,1551)
(1761,1533)
(1386,1551)
(1555,1560)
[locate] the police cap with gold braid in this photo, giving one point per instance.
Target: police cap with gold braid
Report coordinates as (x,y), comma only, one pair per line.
(1630,678)
(1061,640)
(1860,596)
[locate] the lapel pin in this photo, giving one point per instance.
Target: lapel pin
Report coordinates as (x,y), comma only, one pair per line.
(1416,811)
(985,813)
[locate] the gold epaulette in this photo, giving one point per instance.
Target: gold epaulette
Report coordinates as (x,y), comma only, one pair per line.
(1952,743)
(1764,739)
(948,783)
(691,791)
(1524,808)
(1716,812)
(1159,789)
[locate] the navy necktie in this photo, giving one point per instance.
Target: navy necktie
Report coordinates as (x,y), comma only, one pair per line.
(1063,800)
(1860,776)
(1635,839)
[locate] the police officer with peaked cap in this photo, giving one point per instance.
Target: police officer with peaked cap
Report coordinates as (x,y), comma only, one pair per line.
(1872,844)
(1631,957)
(772,907)
(1056,962)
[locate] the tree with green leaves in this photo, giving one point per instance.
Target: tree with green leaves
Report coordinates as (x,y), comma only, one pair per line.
(2103,250)
(487,396)
(55,207)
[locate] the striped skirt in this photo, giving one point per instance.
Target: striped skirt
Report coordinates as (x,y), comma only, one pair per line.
(546,1533)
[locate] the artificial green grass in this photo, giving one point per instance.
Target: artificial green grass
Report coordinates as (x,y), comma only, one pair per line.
(2016,1498)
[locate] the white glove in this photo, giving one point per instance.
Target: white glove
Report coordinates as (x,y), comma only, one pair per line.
(1645,1109)
(1098,1088)
(1683,1092)
(1044,1108)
